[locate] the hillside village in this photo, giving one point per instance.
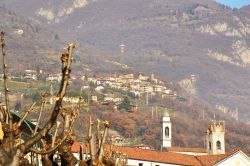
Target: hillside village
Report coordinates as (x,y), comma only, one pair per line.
(102,89)
(137,86)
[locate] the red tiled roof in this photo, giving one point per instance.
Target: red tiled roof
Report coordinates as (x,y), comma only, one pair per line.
(157,156)
(165,157)
(209,160)
(149,155)
(179,149)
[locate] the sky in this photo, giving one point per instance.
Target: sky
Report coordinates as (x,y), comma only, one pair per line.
(235,3)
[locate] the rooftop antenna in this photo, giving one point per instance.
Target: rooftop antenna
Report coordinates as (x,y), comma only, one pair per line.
(122,50)
(236,114)
(213,120)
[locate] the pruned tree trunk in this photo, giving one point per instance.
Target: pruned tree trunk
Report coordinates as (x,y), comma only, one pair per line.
(11,154)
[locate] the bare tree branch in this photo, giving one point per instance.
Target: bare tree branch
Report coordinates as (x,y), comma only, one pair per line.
(55,134)
(66,63)
(55,147)
(26,114)
(100,154)
(40,114)
(98,133)
(6,90)
(92,141)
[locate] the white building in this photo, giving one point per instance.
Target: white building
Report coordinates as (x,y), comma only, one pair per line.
(166,130)
(216,139)
(54,77)
(99,88)
(30,74)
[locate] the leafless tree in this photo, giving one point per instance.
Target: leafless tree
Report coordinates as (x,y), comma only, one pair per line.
(12,153)
(99,154)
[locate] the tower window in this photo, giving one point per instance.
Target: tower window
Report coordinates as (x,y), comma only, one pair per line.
(218,145)
(210,146)
(140,164)
(166,132)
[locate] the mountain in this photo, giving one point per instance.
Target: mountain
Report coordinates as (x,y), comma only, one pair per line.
(172,39)
(245,9)
(29,40)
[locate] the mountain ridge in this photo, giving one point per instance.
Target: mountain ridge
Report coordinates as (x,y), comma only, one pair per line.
(171,39)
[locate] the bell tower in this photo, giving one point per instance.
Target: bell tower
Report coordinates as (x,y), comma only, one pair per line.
(166,130)
(216,138)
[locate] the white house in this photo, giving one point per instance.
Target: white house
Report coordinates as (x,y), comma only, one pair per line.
(54,77)
(30,74)
(99,88)
(112,98)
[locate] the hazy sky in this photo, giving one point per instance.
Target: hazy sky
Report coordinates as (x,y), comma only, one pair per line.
(235,3)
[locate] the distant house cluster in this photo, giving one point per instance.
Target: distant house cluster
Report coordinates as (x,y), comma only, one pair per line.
(54,77)
(30,74)
(137,85)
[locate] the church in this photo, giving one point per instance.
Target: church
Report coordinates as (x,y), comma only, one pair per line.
(213,155)
(215,139)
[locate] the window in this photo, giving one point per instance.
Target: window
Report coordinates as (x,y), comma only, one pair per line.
(218,145)
(157,165)
(210,146)
(140,164)
(166,132)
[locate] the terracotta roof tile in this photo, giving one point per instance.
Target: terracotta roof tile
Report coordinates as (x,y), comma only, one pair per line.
(209,160)
(150,155)
(157,156)
(179,149)
(165,157)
